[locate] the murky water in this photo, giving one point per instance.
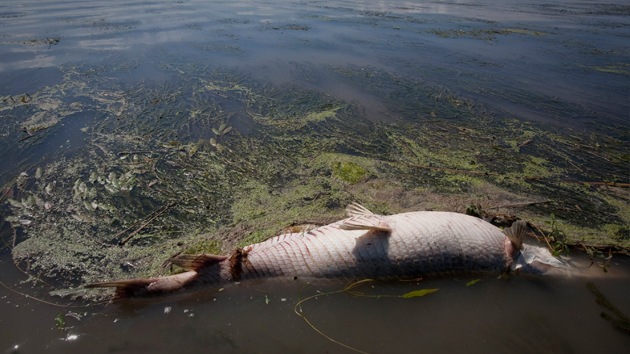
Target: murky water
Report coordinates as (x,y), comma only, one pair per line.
(520,315)
(68,67)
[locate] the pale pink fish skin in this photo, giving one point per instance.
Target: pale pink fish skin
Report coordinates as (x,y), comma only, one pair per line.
(420,243)
(365,245)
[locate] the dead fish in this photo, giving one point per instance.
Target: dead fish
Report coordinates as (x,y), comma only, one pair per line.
(364,245)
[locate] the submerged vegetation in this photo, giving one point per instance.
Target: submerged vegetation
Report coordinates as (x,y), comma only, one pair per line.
(220,160)
(619,320)
(486,34)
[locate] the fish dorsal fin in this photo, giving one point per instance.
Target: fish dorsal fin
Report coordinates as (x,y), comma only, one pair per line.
(196,261)
(365,222)
(356,209)
(516,234)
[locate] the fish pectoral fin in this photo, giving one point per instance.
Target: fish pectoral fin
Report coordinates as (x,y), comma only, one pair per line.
(366,222)
(356,209)
(196,261)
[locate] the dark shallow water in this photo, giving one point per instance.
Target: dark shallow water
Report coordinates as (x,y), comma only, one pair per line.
(561,64)
(554,314)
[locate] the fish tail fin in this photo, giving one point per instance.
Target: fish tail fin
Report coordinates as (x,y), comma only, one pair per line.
(529,258)
(148,286)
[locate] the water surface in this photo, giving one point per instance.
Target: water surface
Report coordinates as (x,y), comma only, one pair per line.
(520,315)
(497,102)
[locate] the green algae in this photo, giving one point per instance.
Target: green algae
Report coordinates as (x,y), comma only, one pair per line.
(617,68)
(200,246)
(349,171)
(151,170)
(267,212)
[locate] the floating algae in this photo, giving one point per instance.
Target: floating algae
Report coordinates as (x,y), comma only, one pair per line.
(220,160)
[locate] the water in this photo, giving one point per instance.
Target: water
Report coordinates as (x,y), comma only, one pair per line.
(86,81)
(554,50)
(520,315)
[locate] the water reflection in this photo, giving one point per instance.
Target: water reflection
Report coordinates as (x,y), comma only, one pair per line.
(454,71)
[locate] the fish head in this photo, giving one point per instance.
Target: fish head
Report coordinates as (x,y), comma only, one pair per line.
(534,260)
(524,257)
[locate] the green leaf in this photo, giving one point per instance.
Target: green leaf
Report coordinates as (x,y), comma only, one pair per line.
(226,130)
(473,282)
(418,293)
(60,321)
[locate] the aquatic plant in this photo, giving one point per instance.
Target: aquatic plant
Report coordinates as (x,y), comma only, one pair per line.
(556,238)
(213,159)
(619,320)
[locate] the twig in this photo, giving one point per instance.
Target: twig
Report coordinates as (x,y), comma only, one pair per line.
(543,236)
(447,169)
(602,183)
(123,153)
(6,244)
(350,289)
(150,215)
(298,311)
(523,204)
(26,137)
(136,231)
(49,302)
(6,192)
(525,143)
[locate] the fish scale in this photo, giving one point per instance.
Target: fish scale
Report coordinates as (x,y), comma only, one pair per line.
(450,241)
(364,245)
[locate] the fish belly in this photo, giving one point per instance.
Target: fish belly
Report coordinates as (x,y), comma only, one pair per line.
(420,244)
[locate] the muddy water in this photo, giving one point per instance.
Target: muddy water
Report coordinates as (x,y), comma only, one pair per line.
(554,314)
(560,63)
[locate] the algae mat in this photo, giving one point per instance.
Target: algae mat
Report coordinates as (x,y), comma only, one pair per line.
(224,160)
(125,141)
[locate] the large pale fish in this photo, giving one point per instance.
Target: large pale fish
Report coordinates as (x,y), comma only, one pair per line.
(365,245)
